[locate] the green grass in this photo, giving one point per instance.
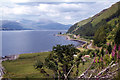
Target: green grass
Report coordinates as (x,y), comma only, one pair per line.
(82,67)
(23,67)
(110,11)
(83,22)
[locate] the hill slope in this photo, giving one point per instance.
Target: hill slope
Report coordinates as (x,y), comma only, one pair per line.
(89,26)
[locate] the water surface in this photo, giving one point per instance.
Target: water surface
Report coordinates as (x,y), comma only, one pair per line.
(18,42)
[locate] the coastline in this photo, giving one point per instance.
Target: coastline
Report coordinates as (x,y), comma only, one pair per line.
(14,57)
(71,39)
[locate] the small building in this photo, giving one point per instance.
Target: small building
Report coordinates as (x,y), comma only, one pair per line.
(75,55)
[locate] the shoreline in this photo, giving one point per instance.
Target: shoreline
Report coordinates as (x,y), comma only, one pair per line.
(16,56)
(80,41)
(67,38)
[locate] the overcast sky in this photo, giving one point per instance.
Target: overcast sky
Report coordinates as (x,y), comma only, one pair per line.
(62,11)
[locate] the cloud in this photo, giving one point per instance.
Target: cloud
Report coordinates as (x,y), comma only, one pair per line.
(75,0)
(65,12)
(22,1)
(68,17)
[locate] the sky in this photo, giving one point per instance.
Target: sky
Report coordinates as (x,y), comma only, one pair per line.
(61,11)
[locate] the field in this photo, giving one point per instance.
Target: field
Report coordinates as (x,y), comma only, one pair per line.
(23,67)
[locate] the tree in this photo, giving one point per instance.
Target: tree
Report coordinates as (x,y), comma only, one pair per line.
(61,59)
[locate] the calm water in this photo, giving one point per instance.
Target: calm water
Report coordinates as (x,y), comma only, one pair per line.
(18,42)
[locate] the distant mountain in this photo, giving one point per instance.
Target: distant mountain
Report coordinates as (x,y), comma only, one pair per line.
(42,24)
(11,25)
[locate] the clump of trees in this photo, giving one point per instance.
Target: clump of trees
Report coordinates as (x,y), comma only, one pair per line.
(61,60)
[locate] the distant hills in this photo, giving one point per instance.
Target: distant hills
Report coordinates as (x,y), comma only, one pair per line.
(100,26)
(11,25)
(23,24)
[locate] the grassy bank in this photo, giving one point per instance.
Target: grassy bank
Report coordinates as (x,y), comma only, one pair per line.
(23,66)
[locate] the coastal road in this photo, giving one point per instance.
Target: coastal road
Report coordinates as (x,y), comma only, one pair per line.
(89,46)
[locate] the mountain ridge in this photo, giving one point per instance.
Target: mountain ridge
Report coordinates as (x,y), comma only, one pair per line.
(32,25)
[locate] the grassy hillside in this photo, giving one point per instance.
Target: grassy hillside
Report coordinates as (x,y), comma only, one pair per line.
(89,26)
(73,28)
(107,13)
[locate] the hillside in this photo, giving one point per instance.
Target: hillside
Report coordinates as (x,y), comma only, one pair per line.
(89,26)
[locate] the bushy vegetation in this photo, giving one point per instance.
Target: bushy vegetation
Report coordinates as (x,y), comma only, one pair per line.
(61,59)
(102,35)
(63,63)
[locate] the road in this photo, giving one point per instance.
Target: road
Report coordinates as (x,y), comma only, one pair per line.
(89,46)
